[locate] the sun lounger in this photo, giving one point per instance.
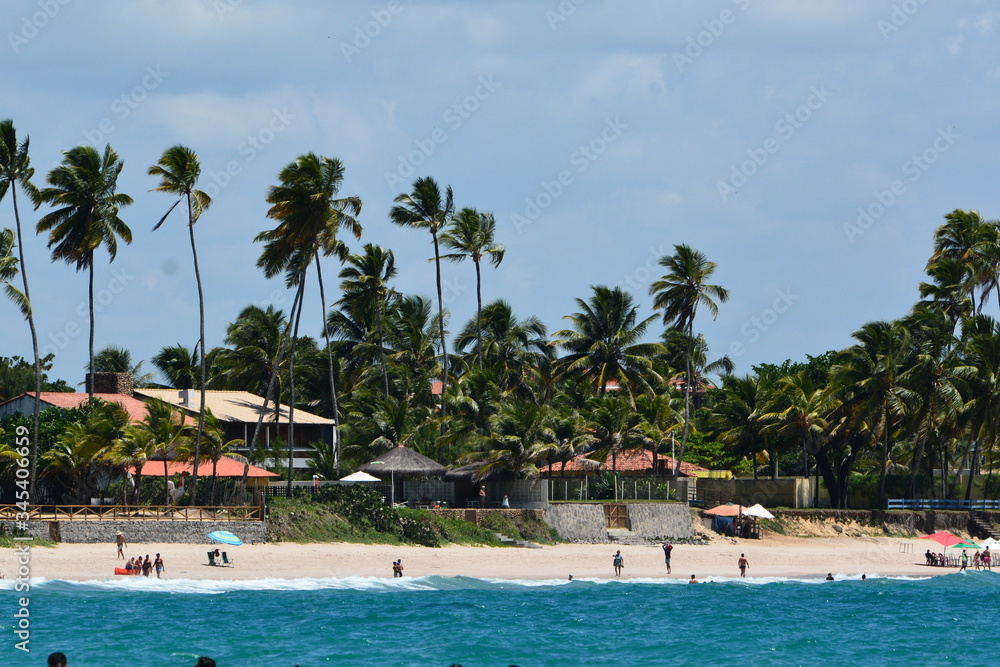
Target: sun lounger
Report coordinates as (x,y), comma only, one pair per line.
(226,561)
(211,558)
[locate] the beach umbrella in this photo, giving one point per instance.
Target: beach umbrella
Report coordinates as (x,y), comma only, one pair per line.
(225,537)
(360,477)
(944,538)
(966,545)
(758,511)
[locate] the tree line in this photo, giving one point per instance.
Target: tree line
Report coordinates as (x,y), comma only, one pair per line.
(909,397)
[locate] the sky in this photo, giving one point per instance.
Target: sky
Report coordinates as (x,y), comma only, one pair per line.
(809,148)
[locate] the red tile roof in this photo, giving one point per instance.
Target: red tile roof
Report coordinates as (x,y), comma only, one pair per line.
(636,460)
(135,408)
(227,468)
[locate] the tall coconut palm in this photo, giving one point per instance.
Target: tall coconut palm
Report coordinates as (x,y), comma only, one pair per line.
(738,416)
(679,293)
(136,445)
(604,343)
(796,413)
(178,365)
(982,352)
(410,336)
(9,270)
(179,170)
(472,235)
(868,381)
(975,243)
(15,172)
(424,209)
(367,295)
(309,216)
(506,344)
(83,189)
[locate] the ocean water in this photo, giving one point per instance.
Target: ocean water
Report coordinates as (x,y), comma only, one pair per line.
(441,621)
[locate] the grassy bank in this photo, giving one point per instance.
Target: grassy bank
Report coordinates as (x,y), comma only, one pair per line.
(358,514)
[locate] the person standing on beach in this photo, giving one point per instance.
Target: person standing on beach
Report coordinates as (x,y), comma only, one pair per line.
(120,541)
(965,560)
(667,548)
(482,497)
(146,566)
(158,565)
(744,564)
(618,562)
(987,558)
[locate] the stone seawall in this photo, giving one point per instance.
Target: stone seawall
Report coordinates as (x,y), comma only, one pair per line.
(584,522)
(144,531)
(900,521)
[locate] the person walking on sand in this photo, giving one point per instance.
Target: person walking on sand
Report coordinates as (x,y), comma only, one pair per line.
(158,565)
(618,562)
(120,541)
(744,564)
(987,558)
(146,566)
(965,560)
(667,548)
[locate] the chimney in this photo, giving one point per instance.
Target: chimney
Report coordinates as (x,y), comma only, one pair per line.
(185,396)
(110,383)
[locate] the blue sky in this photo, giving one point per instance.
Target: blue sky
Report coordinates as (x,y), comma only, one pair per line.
(809,148)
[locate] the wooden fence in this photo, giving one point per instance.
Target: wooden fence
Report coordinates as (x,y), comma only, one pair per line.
(129,513)
(931,504)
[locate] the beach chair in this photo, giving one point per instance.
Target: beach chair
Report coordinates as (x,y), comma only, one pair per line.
(226,561)
(211,558)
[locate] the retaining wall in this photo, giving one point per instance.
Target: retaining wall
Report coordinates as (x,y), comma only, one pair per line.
(138,532)
(584,522)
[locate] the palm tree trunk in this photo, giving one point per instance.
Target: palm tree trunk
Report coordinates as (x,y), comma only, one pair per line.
(329,361)
(479,313)
(887,431)
(972,469)
(687,399)
(380,314)
(166,478)
(36,410)
(204,372)
(269,394)
(918,454)
(444,346)
(291,384)
(90,385)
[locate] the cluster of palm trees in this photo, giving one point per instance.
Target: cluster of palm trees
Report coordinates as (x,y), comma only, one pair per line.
(910,396)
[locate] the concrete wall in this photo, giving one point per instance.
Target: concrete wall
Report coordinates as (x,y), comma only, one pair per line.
(584,522)
(146,531)
(793,492)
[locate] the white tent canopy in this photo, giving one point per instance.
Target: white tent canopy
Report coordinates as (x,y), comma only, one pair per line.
(360,477)
(758,511)
(991,543)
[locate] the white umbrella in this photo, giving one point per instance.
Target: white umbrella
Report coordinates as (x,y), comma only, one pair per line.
(758,511)
(990,542)
(360,477)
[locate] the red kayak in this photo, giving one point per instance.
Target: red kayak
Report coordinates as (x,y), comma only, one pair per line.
(122,570)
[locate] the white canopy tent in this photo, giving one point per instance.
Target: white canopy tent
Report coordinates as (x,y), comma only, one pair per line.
(758,511)
(359,477)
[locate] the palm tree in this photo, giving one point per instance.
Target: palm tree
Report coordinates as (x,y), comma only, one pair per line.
(309,216)
(423,208)
(16,171)
(84,191)
(975,244)
(796,413)
(367,295)
(9,270)
(166,423)
(868,381)
(679,293)
(982,352)
(521,435)
(509,345)
(114,359)
(738,416)
(178,365)
(604,342)
(136,445)
(471,235)
(179,169)
(616,427)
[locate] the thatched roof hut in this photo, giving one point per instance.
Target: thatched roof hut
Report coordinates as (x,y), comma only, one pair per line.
(402,462)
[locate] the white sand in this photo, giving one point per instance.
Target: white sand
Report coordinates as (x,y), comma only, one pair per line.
(773,556)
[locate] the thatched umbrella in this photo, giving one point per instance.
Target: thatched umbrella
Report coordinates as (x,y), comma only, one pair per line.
(402,462)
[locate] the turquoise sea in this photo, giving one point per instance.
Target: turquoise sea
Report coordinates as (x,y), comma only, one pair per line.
(441,621)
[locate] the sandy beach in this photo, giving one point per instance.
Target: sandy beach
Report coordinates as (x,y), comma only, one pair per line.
(773,556)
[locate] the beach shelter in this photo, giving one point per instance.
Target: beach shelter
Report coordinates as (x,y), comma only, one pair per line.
(758,511)
(359,477)
(400,463)
(728,509)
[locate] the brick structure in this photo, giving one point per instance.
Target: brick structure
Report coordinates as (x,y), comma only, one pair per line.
(110,383)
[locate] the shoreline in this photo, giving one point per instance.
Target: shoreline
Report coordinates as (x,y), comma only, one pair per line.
(773,556)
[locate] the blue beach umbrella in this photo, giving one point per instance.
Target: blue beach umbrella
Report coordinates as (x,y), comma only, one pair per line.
(225,537)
